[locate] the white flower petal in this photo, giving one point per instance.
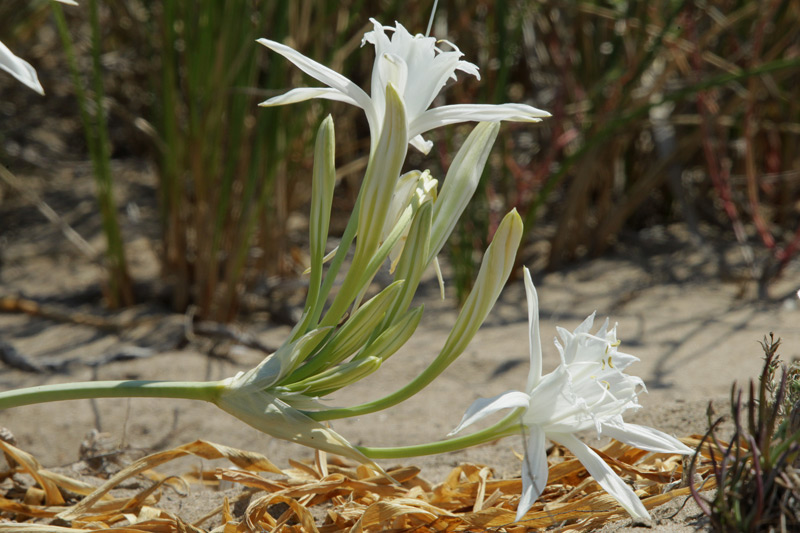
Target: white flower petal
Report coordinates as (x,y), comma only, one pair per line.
(19,68)
(604,475)
(622,361)
(307,93)
(586,325)
(603,332)
(534,471)
(320,72)
(454,114)
(469,68)
(421,144)
(644,437)
(534,340)
(393,69)
(555,405)
(483,407)
(433,76)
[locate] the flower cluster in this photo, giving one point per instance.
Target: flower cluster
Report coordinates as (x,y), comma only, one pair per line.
(405,220)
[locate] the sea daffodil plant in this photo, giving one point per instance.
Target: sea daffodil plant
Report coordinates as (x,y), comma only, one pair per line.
(405,220)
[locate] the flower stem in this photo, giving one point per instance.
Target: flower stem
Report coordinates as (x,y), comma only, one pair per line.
(507,426)
(190,390)
(409,390)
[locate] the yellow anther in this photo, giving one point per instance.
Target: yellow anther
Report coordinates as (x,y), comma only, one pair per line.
(613,345)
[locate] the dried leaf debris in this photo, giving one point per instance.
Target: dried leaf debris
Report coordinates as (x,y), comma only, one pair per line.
(331,496)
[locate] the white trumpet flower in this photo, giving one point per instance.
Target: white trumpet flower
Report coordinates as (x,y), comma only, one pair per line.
(21,69)
(588,390)
(417,68)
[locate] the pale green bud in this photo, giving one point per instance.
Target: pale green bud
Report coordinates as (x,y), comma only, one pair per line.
(394,337)
(495,269)
(411,264)
(381,175)
(352,335)
(460,183)
(322,184)
(383,170)
(337,377)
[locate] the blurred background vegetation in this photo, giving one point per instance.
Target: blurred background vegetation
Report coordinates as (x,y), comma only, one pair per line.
(664,112)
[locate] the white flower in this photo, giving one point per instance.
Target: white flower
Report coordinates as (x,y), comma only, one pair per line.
(418,69)
(588,390)
(21,69)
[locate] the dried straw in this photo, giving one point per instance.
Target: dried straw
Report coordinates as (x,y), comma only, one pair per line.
(329,495)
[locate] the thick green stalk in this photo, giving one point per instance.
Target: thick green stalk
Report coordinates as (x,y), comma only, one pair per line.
(506,427)
(207,391)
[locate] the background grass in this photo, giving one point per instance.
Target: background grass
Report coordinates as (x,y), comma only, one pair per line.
(663,112)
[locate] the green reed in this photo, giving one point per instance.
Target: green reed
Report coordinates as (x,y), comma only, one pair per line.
(95,126)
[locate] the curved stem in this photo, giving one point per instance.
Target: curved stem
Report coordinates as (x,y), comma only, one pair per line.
(409,390)
(190,390)
(507,426)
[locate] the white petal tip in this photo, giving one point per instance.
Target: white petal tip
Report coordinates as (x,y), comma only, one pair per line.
(421,144)
(685,450)
(640,520)
(32,83)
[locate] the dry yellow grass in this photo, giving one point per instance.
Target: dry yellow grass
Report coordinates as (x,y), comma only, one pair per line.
(331,496)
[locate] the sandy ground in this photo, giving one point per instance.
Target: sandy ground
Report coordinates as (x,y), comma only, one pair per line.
(694,333)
